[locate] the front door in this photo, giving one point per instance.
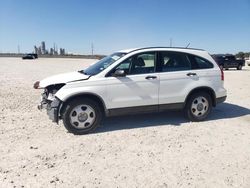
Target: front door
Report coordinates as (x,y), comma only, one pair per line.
(140,86)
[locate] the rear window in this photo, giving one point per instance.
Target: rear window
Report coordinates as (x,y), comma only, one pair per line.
(199,62)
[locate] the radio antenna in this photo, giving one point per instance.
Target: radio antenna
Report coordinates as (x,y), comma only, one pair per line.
(188,45)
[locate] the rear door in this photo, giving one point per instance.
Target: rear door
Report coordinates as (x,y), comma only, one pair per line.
(175,76)
(180,73)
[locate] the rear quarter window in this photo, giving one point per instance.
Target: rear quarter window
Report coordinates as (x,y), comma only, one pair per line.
(199,62)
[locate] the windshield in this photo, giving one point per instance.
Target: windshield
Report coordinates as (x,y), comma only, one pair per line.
(102,64)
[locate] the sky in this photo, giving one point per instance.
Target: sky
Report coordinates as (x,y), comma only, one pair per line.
(218,26)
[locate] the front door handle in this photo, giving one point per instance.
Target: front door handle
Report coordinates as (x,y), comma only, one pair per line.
(191,74)
(150,77)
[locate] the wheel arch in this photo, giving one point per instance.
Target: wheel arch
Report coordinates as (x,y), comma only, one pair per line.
(88,95)
(206,89)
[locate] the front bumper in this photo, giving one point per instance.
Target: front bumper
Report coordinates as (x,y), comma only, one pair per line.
(52,108)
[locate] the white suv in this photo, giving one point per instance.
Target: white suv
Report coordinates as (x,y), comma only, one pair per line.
(134,81)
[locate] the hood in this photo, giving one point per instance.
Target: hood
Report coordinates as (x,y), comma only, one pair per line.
(62,78)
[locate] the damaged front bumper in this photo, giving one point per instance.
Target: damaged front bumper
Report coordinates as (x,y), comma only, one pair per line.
(52,107)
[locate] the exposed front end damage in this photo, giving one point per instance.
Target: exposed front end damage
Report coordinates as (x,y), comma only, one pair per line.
(50,102)
(51,86)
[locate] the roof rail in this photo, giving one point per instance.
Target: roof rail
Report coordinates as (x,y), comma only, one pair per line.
(166,47)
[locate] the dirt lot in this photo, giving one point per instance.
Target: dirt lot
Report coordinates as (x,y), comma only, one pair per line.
(155,150)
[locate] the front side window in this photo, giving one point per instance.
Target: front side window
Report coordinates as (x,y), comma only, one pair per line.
(102,64)
(174,61)
(138,64)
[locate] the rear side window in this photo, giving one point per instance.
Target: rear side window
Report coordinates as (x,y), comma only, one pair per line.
(174,61)
(200,63)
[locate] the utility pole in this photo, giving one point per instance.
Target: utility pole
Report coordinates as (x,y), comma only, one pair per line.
(18,49)
(92,48)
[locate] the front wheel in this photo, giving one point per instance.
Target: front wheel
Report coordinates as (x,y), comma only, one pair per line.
(198,106)
(81,116)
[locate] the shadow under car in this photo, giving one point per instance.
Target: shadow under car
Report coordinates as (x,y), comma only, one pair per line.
(171,118)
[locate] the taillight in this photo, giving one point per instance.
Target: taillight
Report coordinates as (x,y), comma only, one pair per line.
(222,74)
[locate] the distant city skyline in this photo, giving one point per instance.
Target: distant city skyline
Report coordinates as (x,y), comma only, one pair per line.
(41,50)
(106,26)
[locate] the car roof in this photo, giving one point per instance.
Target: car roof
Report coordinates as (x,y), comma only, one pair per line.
(157,48)
(128,50)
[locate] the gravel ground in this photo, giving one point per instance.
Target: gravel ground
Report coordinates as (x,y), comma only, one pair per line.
(154,150)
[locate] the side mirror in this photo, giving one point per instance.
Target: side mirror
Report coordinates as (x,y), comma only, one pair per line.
(119,73)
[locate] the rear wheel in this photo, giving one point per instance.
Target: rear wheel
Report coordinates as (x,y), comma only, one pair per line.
(81,116)
(198,106)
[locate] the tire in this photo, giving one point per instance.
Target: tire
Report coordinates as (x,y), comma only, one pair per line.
(239,67)
(81,116)
(198,106)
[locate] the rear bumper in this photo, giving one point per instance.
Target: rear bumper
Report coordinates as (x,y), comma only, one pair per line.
(220,99)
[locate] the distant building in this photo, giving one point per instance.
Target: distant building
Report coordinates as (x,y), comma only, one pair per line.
(39,50)
(36,50)
(62,51)
(55,52)
(51,52)
(43,47)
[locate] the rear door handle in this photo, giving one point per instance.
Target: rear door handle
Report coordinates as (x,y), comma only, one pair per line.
(150,77)
(191,74)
